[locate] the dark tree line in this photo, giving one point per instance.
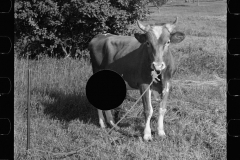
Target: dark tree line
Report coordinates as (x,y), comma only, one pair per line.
(61,27)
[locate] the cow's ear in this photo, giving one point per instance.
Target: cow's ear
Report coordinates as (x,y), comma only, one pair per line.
(177,37)
(140,37)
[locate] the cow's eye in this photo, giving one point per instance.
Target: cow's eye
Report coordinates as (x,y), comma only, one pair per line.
(168,42)
(148,44)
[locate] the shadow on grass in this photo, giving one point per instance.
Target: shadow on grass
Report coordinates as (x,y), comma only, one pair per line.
(136,123)
(138,126)
(73,106)
(67,107)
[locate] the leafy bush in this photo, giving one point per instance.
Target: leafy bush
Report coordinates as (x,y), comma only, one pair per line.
(59,28)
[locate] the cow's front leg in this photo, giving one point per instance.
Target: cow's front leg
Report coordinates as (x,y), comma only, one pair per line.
(162,110)
(148,111)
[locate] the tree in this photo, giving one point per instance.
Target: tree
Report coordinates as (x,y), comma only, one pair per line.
(60,27)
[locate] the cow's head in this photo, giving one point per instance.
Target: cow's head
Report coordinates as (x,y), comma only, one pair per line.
(157,40)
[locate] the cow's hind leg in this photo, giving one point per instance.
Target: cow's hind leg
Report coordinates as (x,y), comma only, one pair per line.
(162,110)
(110,118)
(101,118)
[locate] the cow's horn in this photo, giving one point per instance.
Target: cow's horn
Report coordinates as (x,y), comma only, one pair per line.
(176,20)
(170,27)
(142,27)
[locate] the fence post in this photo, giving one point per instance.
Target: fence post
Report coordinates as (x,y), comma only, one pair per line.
(28,103)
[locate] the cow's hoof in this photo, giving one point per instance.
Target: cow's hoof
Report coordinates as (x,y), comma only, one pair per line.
(161,133)
(147,137)
(114,126)
(102,125)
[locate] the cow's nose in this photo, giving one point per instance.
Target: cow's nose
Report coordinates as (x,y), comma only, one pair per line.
(158,66)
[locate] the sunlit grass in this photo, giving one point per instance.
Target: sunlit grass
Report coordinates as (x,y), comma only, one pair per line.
(62,119)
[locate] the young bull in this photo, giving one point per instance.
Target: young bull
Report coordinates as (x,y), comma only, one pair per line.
(139,60)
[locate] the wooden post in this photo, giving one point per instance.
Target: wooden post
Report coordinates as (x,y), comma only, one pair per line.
(28,104)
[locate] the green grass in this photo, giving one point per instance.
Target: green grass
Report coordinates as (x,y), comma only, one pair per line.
(62,120)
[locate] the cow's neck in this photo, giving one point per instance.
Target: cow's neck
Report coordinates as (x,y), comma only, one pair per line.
(145,66)
(141,72)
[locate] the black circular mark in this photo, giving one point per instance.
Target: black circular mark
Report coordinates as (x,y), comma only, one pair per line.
(106,90)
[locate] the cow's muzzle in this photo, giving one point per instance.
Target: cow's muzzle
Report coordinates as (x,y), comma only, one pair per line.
(158,67)
(157,70)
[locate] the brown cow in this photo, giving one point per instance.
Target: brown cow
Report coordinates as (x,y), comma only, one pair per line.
(138,59)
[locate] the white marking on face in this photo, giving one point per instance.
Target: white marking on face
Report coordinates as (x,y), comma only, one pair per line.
(157,30)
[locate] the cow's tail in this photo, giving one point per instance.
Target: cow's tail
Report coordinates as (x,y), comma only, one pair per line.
(92,59)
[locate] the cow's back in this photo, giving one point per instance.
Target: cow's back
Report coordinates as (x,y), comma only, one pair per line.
(105,49)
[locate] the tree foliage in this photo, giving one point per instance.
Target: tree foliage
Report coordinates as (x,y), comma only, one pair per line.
(60,27)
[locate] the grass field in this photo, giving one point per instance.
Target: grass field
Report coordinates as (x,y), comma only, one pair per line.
(62,120)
